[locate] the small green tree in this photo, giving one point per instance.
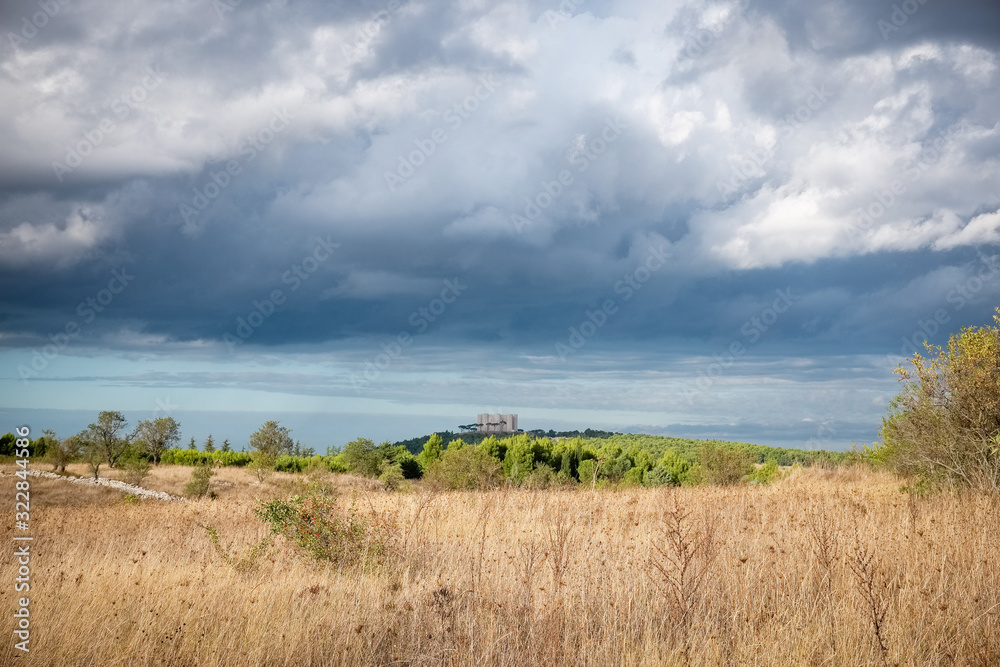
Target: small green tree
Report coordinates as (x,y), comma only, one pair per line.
(226,447)
(201,481)
(209,444)
(362,457)
(431,452)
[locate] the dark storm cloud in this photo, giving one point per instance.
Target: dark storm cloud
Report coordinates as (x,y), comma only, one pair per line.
(692,118)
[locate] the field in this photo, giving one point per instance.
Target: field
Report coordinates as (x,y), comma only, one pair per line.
(825,567)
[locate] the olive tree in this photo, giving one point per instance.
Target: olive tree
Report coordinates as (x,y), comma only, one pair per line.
(158,435)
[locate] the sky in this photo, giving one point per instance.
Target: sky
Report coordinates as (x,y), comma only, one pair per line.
(726,220)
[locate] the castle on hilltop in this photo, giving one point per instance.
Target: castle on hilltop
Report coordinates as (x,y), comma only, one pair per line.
(489,423)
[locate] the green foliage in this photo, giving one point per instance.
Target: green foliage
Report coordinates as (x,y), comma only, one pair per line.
(362,457)
(107,437)
(201,481)
(523,453)
(944,425)
(724,466)
(158,435)
(63,452)
(767,473)
(193,457)
(464,468)
(659,476)
(136,469)
(271,441)
(7,444)
(586,470)
(542,477)
(209,444)
(326,532)
(391,476)
(431,452)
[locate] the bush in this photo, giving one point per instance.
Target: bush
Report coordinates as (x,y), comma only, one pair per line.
(201,482)
(135,470)
(194,457)
(659,476)
(945,424)
(323,531)
(724,465)
(541,477)
(289,463)
(766,474)
(465,468)
(391,477)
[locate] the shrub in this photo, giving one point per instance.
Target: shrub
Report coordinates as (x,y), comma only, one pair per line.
(391,477)
(659,476)
(261,465)
(541,477)
(135,470)
(201,481)
(945,424)
(465,468)
(324,531)
(766,474)
(289,463)
(724,465)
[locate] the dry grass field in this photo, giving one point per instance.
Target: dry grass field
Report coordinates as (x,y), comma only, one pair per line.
(821,568)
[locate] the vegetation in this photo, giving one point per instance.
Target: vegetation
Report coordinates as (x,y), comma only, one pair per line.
(317,526)
(158,435)
(201,482)
(944,427)
(826,566)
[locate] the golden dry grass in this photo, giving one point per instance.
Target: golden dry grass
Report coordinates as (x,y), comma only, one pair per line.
(516,577)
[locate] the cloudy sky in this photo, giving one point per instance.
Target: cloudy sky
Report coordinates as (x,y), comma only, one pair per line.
(711,219)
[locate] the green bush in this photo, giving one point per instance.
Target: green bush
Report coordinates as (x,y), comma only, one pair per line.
(324,531)
(201,481)
(945,424)
(391,476)
(288,463)
(542,477)
(135,470)
(659,476)
(466,468)
(194,457)
(767,473)
(724,465)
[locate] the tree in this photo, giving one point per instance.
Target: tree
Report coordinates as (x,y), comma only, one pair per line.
(158,435)
(945,424)
(108,437)
(266,444)
(362,457)
(432,451)
(226,447)
(41,446)
(63,452)
(209,444)
(192,445)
